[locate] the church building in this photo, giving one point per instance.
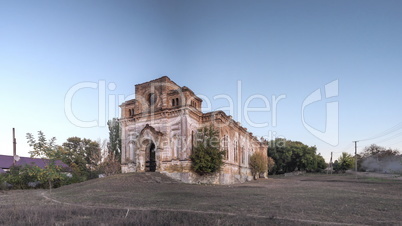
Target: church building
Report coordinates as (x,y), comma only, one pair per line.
(159,130)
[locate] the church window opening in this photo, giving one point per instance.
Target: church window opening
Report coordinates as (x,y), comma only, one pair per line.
(243,157)
(152,99)
(131,112)
(225,146)
(235,151)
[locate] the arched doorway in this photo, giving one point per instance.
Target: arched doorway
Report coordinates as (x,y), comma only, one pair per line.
(150,164)
(148,154)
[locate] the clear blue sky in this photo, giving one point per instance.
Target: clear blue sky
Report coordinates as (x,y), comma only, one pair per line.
(273,48)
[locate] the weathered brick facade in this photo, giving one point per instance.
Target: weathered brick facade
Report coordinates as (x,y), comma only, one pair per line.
(158,132)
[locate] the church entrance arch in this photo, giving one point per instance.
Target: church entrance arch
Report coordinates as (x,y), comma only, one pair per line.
(150,163)
(149,152)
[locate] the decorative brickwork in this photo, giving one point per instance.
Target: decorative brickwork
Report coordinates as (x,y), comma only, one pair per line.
(159,129)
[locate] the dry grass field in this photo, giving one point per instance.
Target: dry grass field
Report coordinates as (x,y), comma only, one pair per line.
(153,199)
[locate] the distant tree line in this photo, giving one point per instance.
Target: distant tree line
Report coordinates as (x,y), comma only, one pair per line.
(375,158)
(289,156)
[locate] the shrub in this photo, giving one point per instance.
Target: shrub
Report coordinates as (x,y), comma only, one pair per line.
(207,158)
(345,162)
(271,164)
(258,163)
(110,166)
(3,183)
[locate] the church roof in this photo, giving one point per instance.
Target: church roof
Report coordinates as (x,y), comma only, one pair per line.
(163,78)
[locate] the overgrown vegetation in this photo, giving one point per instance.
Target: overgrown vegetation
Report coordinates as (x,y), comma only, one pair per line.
(50,153)
(344,162)
(375,158)
(110,165)
(30,176)
(258,164)
(292,156)
(83,156)
(86,159)
(207,158)
(114,145)
(271,164)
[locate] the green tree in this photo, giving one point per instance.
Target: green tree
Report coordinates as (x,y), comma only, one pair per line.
(110,165)
(49,152)
(83,156)
(42,147)
(258,164)
(378,151)
(114,145)
(294,155)
(345,162)
(321,164)
(207,158)
(378,158)
(271,164)
(281,154)
(336,166)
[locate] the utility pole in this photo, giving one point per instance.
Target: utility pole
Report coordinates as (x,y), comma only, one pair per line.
(331,165)
(14,147)
(356,157)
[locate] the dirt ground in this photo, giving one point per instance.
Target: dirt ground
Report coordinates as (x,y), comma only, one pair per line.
(380,175)
(152,198)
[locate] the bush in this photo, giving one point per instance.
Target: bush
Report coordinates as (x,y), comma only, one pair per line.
(207,158)
(110,166)
(31,176)
(258,164)
(3,183)
(344,162)
(271,164)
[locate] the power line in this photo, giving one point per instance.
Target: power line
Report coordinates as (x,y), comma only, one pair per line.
(385,132)
(344,149)
(395,143)
(390,138)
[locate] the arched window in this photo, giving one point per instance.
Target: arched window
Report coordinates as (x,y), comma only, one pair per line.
(225,146)
(152,99)
(235,151)
(243,155)
(175,102)
(192,141)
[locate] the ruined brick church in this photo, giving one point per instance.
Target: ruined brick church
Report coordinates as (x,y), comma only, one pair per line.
(159,130)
